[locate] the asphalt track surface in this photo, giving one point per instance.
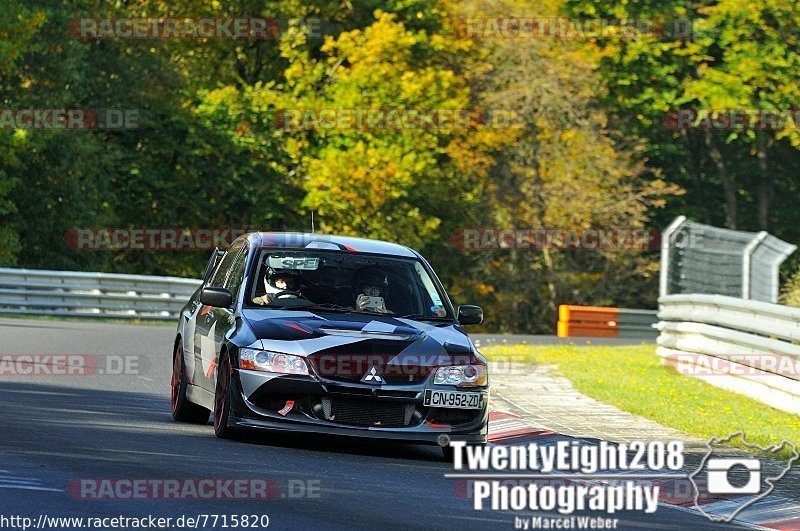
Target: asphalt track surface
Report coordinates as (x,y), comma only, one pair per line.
(59,429)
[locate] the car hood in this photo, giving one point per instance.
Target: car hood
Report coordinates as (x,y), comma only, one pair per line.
(389,340)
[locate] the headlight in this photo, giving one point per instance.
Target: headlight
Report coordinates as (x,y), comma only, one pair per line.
(262,360)
(461,375)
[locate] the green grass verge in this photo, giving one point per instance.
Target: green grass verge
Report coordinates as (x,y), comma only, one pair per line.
(633,379)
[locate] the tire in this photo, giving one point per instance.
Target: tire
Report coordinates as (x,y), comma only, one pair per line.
(182,409)
(222,399)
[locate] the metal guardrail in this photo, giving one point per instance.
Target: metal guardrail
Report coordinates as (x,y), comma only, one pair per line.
(597,321)
(697,258)
(746,346)
(79,294)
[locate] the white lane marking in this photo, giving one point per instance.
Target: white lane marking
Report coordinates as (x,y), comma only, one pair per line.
(24,483)
(20,481)
(762,511)
(29,487)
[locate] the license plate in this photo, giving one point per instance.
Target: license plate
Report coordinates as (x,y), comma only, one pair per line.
(452,399)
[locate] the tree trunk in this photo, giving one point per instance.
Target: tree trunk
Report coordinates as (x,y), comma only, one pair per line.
(766,185)
(695,173)
(539,205)
(728,182)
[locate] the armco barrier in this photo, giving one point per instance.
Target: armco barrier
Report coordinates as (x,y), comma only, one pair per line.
(596,321)
(71,293)
(744,346)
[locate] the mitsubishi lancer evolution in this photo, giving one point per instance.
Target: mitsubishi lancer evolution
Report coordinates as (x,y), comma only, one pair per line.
(331,335)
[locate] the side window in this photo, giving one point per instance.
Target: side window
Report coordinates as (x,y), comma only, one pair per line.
(236,275)
(429,294)
(225,265)
(213,262)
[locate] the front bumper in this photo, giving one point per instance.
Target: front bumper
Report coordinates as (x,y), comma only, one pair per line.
(394,412)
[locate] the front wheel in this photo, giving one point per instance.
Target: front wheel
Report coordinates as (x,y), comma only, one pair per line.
(222,399)
(182,409)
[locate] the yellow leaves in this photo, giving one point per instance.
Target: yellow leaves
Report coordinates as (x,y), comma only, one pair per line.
(362,187)
(386,40)
(483,289)
(567,135)
(214,98)
(387,182)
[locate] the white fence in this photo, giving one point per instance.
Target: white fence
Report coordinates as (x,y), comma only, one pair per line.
(70,293)
(745,346)
(697,258)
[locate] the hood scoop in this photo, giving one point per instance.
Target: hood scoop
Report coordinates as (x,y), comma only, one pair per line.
(371,334)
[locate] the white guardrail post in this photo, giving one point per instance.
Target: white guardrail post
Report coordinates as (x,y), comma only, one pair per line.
(79,294)
(745,346)
(666,240)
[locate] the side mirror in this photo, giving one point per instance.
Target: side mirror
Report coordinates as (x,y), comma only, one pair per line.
(216,297)
(469,314)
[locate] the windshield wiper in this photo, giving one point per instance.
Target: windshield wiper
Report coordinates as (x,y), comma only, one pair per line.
(310,307)
(345,309)
(329,307)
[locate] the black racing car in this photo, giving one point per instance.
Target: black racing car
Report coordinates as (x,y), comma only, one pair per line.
(328,334)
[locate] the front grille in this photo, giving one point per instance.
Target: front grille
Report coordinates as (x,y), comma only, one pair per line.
(410,376)
(419,374)
(366,412)
(353,366)
(453,416)
(397,394)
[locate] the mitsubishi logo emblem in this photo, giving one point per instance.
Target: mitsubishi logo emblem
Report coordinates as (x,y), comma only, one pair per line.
(372,376)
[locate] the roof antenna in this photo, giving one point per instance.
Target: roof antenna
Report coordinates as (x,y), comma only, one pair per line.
(312,222)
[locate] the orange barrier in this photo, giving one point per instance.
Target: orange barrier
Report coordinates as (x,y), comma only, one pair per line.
(587,321)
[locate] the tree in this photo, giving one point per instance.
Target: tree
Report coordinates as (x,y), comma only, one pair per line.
(566,168)
(713,55)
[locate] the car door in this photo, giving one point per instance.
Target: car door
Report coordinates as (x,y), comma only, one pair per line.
(224,320)
(191,336)
(206,344)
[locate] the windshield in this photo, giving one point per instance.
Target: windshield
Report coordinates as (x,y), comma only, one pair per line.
(344,281)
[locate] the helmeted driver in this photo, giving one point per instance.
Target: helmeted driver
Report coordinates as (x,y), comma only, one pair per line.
(279,284)
(371,285)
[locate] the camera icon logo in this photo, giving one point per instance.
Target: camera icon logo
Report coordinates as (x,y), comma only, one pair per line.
(741,477)
(721,472)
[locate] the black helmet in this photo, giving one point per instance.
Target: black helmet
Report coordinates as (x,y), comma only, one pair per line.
(292,278)
(371,276)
